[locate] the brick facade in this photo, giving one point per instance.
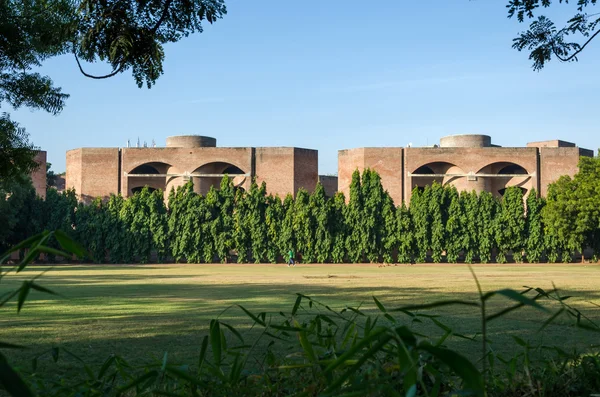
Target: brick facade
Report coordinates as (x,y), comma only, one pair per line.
(469,162)
(99,172)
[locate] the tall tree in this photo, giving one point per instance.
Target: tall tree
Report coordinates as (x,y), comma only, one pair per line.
(437,213)
(372,221)
(304,227)
(421,219)
(486,221)
(390,235)
(320,208)
(354,221)
(405,236)
(457,235)
(534,246)
(256,219)
(470,205)
(274,214)
(338,228)
(510,225)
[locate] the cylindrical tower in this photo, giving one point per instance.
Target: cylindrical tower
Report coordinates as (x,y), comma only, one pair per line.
(466,140)
(191,141)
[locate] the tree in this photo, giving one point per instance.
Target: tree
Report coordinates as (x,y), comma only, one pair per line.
(320,208)
(470,205)
(544,39)
(354,221)
(390,237)
(126,34)
(534,246)
(255,218)
(420,217)
(572,213)
(372,221)
(437,213)
(273,220)
(457,235)
(304,227)
(405,236)
(338,227)
(18,153)
(488,209)
(510,225)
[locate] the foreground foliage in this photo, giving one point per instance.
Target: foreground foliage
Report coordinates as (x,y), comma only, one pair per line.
(312,349)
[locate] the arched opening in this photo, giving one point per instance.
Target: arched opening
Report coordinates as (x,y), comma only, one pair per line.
(151,174)
(441,172)
(506,174)
(210,175)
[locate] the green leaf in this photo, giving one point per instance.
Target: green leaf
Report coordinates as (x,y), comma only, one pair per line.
(38,287)
(297,304)
(514,295)
(53,251)
(253,317)
(11,381)
(234,331)
(106,365)
(305,343)
(379,305)
(68,244)
(434,305)
(147,376)
(202,356)
(551,319)
(472,378)
(4,345)
(23,292)
(520,341)
(215,341)
(55,352)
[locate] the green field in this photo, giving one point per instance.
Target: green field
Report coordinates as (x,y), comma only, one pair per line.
(142,311)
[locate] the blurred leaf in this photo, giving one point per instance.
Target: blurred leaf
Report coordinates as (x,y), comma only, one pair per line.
(11,381)
(4,345)
(203,348)
(234,331)
(23,292)
(514,295)
(68,244)
(551,319)
(55,352)
(449,302)
(297,304)
(215,341)
(460,365)
(253,317)
(147,376)
(379,305)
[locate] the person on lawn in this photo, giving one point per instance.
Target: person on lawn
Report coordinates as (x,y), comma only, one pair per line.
(291,255)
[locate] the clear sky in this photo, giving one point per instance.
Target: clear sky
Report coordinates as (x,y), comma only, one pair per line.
(331,75)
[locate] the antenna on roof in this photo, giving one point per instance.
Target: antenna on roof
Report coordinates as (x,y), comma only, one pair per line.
(153,143)
(128,143)
(138,142)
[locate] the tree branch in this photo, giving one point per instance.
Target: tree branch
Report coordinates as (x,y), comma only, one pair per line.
(576,52)
(113,73)
(162,17)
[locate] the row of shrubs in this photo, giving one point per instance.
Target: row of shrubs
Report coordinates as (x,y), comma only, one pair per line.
(230,224)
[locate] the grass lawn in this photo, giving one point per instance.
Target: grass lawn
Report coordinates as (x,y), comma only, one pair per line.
(144,310)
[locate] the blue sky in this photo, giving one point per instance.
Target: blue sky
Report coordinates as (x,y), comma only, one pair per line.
(331,75)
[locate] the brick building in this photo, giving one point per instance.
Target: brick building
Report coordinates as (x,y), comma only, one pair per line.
(469,162)
(98,172)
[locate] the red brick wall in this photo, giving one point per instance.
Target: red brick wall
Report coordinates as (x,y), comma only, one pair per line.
(349,160)
(275,167)
(73,173)
(330,184)
(38,176)
(389,164)
(555,162)
(306,169)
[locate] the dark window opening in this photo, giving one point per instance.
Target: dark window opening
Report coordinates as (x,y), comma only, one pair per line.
(145,169)
(513,169)
(424,170)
